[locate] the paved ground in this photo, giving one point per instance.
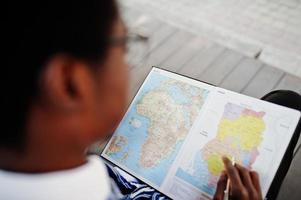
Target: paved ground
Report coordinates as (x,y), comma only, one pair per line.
(268,29)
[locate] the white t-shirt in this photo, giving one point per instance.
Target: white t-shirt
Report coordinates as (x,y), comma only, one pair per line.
(89,181)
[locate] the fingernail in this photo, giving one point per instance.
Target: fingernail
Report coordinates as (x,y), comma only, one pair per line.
(225,159)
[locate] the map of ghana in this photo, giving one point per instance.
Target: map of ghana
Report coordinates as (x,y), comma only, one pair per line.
(240,132)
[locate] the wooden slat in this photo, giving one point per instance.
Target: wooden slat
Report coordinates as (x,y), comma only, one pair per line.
(241,75)
(155,40)
(156,57)
(168,47)
(264,82)
(289,82)
(157,43)
(137,77)
(138,50)
(221,67)
(202,60)
(185,53)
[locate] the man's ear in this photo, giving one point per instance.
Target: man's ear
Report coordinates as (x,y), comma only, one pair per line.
(65,82)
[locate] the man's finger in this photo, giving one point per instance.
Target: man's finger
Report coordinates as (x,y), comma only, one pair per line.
(221,186)
(232,173)
(247,181)
(245,177)
(255,179)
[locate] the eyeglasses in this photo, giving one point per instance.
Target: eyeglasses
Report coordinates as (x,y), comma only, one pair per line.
(135,44)
(128,39)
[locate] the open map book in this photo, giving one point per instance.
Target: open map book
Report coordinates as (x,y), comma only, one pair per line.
(176,130)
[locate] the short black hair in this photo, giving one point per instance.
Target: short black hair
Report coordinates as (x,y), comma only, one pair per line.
(34,31)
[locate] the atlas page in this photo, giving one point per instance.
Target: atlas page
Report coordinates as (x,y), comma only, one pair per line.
(176,130)
(153,130)
(256,133)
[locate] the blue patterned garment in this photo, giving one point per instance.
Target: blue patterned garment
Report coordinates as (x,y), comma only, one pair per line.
(126,187)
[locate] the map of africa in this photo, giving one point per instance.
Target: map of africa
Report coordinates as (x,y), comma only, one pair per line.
(240,132)
(153,130)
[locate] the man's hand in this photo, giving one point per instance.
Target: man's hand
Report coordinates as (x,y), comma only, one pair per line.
(244,183)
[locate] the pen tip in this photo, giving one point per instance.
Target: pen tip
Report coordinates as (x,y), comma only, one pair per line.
(233,160)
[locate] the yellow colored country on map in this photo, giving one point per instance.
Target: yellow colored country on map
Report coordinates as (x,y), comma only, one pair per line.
(215,164)
(247,128)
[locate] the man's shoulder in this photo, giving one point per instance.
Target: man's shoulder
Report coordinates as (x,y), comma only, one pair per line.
(89,181)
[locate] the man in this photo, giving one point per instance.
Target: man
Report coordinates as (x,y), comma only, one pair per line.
(64,87)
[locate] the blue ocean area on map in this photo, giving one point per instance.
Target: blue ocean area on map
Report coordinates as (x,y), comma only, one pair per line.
(198,175)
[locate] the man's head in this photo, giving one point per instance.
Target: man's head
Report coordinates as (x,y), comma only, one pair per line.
(64,81)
